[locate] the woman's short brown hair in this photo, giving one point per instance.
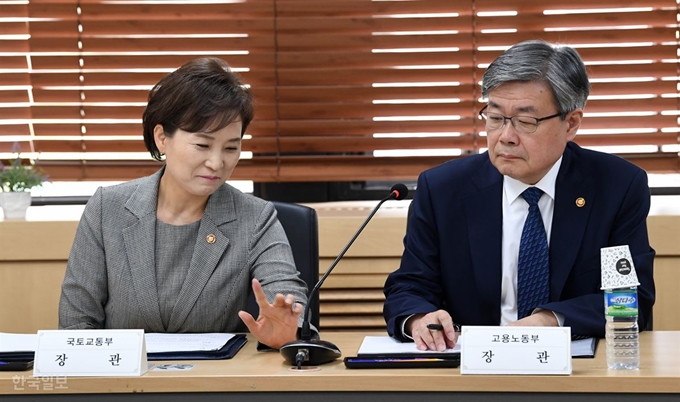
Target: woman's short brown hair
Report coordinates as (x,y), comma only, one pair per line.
(203,95)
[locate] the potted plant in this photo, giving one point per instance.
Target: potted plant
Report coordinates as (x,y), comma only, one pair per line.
(16,181)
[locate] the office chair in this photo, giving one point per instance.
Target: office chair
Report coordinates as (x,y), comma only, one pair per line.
(301,226)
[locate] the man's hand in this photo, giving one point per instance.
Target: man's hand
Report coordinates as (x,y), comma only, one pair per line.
(544,318)
(277,323)
(432,339)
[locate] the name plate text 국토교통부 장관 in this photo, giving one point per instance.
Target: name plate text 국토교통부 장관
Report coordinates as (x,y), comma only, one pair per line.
(90,353)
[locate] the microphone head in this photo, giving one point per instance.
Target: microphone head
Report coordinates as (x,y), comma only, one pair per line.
(399,191)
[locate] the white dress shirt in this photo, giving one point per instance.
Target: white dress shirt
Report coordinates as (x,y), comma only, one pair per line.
(515,211)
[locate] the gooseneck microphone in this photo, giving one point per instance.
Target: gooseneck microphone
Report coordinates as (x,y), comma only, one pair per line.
(313,352)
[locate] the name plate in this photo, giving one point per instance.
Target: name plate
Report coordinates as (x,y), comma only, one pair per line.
(90,353)
(516,350)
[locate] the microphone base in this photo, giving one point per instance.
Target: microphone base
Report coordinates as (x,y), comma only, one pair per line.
(313,352)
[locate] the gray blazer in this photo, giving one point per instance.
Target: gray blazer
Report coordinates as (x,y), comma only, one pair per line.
(110,279)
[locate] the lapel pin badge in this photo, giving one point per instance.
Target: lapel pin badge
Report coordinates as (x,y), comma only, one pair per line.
(210,238)
(580,202)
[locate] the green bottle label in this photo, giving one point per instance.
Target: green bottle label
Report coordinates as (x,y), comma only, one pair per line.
(621,303)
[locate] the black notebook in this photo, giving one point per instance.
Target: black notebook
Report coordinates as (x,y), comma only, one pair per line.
(387,352)
(368,362)
(227,351)
(16,361)
(17,355)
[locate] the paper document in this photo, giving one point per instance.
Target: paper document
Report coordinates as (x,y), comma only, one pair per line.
(384,345)
(583,347)
(18,342)
(159,343)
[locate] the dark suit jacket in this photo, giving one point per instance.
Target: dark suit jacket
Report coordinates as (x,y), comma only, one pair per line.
(452,256)
(111,276)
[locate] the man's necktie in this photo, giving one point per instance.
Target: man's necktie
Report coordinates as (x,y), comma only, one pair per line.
(532,265)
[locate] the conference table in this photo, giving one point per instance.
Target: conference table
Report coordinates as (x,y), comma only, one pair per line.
(264,376)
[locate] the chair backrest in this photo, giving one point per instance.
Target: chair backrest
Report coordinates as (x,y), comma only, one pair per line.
(650,321)
(301,226)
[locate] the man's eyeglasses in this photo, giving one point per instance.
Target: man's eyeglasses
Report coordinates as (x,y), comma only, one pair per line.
(523,124)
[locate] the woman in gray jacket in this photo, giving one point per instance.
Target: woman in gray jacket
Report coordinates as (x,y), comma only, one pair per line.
(180,250)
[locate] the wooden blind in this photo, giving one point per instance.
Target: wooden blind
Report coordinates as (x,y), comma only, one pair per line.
(339,84)
(89,65)
(632,58)
(15,82)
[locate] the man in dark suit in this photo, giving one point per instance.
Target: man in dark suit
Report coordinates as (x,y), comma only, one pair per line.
(470,246)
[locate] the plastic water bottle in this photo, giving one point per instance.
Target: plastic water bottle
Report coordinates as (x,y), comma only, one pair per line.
(621,311)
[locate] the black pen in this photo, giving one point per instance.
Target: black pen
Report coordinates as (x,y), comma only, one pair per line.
(439,327)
